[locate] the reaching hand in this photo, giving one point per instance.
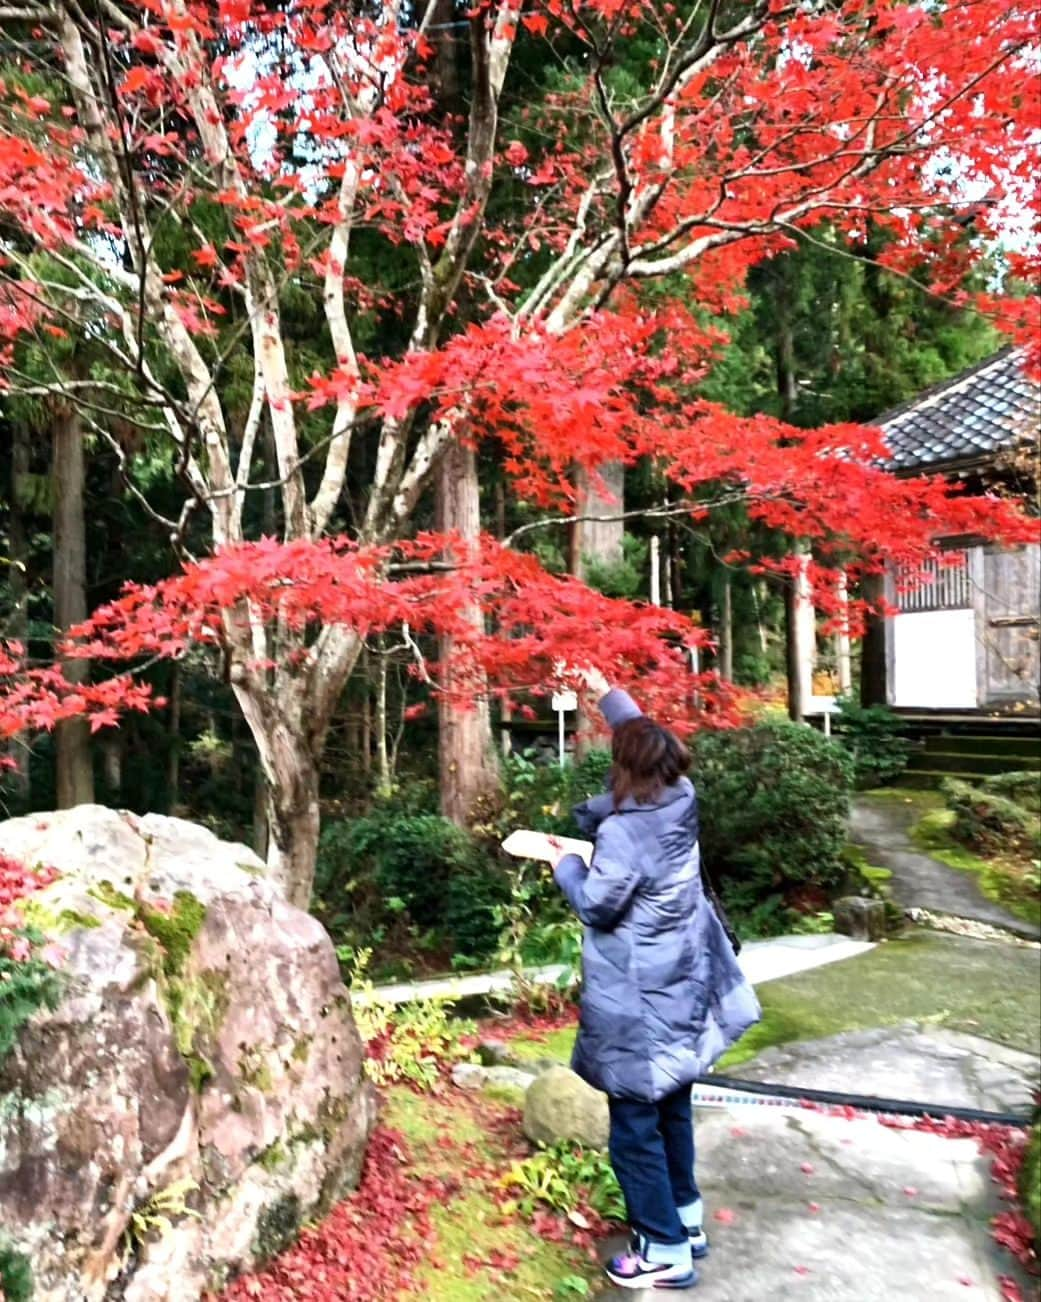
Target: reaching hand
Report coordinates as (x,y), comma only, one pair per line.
(595,681)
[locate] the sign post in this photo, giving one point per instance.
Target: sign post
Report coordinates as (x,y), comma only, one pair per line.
(562,702)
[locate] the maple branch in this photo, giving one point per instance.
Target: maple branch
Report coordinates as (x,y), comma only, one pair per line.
(669,511)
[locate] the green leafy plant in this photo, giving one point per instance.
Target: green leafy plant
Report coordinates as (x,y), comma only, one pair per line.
(565,1178)
(157,1214)
(27,985)
(410,1042)
(16,1276)
(872,735)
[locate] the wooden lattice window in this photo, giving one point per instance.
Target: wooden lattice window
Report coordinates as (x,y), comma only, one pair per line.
(940,584)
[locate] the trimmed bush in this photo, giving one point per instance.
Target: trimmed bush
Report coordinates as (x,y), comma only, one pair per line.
(374,871)
(872,735)
(990,821)
(1023,786)
(774,800)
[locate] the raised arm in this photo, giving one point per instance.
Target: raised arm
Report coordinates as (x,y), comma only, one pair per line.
(616,705)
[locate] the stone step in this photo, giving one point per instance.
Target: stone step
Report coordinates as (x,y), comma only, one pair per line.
(945,761)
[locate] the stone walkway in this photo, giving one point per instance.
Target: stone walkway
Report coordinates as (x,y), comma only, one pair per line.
(804,1205)
(922,1064)
(881,828)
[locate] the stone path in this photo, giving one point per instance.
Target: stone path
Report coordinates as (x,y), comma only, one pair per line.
(922,1064)
(762,960)
(822,1209)
(803,1205)
(881,828)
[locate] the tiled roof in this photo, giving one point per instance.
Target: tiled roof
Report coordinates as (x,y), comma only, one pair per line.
(969,418)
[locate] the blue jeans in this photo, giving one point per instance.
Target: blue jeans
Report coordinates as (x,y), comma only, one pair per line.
(652,1152)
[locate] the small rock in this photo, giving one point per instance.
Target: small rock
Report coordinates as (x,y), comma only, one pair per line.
(860,918)
(493,1053)
(469,1075)
(472,1076)
(516,1077)
(560,1105)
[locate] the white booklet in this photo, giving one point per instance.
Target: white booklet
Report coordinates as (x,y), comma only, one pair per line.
(542,845)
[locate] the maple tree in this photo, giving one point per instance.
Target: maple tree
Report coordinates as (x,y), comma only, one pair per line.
(172,174)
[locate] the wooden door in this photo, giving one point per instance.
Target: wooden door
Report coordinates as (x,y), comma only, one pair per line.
(1008,623)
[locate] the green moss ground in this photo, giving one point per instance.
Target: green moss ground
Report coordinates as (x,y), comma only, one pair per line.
(983,987)
(449,1135)
(1000,881)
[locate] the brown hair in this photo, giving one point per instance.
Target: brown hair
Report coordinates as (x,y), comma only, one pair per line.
(647,758)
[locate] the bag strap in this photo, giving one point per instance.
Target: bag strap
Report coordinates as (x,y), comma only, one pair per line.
(721,913)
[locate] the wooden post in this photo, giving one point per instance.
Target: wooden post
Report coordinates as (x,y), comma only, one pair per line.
(801,638)
(843,657)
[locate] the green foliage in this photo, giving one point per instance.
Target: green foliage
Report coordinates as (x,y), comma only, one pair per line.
(395,869)
(541,796)
(872,735)
(410,1043)
(623,577)
(989,821)
(27,985)
(774,799)
(1022,786)
(16,1276)
(565,1178)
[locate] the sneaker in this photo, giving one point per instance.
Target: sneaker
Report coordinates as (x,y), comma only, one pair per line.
(698,1242)
(631,1270)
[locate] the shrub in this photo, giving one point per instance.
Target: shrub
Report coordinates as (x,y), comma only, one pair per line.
(989,821)
(774,800)
(1023,786)
(873,738)
(390,863)
(541,796)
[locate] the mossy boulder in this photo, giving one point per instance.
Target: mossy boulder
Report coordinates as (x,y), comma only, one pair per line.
(172,1061)
(559,1105)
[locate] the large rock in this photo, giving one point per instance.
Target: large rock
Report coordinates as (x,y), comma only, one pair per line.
(560,1105)
(202,1064)
(860,918)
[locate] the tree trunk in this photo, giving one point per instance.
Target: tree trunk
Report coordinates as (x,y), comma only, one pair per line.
(75,777)
(598,541)
(801,639)
(468,767)
(288,716)
(173,755)
(18,625)
(784,355)
(726,626)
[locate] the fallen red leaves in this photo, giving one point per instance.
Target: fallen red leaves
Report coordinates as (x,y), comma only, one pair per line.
(368,1247)
(16,882)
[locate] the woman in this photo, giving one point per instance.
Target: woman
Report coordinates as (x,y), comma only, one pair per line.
(662,993)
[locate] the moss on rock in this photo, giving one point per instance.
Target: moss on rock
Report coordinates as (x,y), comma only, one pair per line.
(112,898)
(277,1228)
(175,929)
